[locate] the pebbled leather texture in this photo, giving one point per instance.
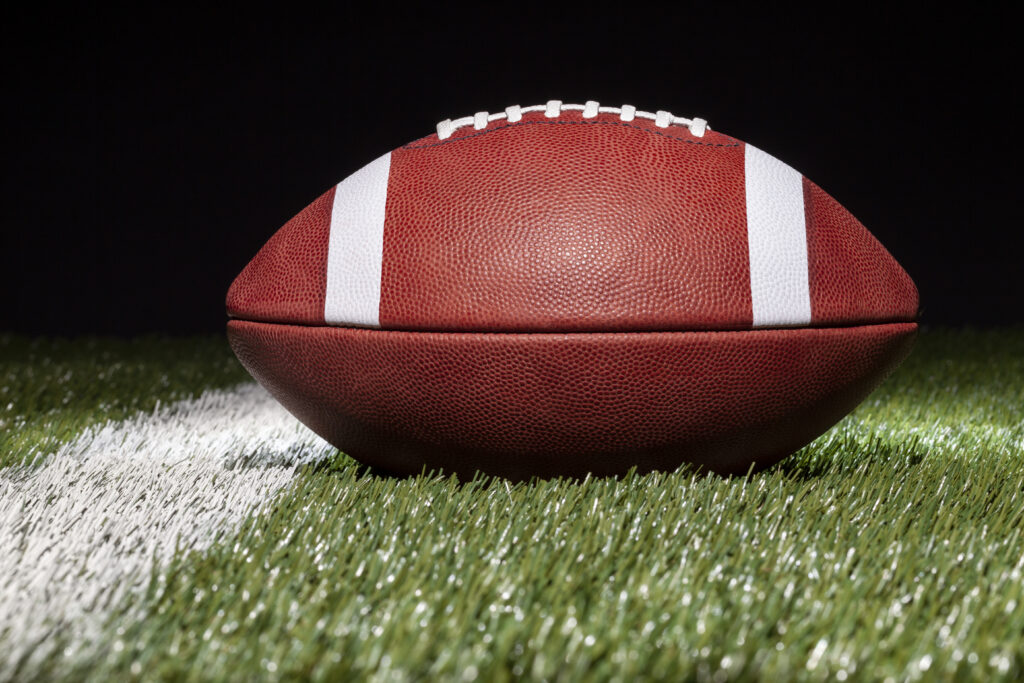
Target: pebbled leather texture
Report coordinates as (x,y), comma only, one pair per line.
(568,295)
(570,225)
(519,405)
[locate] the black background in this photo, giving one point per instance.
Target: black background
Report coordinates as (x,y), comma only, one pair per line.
(147,157)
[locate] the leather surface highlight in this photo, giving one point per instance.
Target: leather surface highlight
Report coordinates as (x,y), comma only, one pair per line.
(567,225)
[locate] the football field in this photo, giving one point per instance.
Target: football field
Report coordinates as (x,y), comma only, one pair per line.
(161,517)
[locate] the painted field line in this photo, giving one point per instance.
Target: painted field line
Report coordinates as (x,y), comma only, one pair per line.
(81,532)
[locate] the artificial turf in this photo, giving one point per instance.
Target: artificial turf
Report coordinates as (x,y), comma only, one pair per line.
(890,548)
(52,388)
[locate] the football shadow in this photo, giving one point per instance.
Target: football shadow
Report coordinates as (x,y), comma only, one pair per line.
(806,465)
(342,463)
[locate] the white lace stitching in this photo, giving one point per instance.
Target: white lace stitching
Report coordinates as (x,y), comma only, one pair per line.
(554,108)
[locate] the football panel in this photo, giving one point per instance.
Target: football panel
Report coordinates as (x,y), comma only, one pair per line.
(519,405)
(567,225)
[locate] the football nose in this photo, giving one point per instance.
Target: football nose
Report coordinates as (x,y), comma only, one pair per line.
(285,281)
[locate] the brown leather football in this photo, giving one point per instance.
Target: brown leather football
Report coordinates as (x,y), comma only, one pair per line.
(564,289)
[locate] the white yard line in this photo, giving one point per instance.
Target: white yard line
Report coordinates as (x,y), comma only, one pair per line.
(80,532)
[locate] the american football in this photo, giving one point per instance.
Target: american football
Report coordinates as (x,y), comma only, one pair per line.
(564,289)
(570,390)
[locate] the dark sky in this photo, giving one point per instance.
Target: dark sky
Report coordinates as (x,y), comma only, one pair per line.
(147,157)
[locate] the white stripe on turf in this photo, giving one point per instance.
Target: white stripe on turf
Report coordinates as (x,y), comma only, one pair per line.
(80,532)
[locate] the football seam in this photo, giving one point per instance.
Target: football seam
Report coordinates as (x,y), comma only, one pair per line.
(852,325)
(569,123)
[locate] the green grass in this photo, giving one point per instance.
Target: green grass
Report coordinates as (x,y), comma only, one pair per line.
(51,389)
(891,548)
